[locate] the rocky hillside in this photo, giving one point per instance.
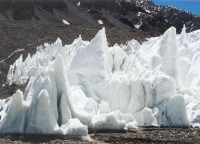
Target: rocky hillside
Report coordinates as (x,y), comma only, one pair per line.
(126,14)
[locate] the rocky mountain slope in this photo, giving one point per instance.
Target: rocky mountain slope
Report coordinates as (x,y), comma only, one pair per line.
(126,14)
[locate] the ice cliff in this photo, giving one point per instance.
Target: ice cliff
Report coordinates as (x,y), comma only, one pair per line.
(89,86)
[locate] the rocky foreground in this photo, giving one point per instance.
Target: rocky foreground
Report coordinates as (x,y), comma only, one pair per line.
(143,135)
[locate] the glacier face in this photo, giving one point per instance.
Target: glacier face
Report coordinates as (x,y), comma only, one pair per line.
(89,86)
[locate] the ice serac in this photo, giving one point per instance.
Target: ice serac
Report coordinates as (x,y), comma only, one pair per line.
(117,58)
(62,83)
(175,112)
(13,115)
(172,112)
(193,113)
(88,86)
(146,117)
(168,52)
(40,119)
(90,62)
(46,107)
(183,36)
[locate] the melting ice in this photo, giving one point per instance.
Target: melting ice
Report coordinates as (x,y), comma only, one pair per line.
(89,86)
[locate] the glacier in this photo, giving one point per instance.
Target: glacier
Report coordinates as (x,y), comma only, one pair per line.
(89,86)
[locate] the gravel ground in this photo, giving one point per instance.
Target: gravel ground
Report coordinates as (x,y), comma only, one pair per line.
(143,135)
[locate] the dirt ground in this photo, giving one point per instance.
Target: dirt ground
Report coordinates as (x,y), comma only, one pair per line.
(143,135)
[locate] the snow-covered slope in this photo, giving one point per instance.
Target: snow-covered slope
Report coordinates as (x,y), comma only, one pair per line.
(87,85)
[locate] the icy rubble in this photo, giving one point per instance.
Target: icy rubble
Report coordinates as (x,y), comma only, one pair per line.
(88,86)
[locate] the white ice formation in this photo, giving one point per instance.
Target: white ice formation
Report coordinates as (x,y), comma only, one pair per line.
(88,86)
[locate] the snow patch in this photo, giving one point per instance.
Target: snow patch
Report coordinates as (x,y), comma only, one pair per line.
(65,22)
(78,4)
(100,22)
